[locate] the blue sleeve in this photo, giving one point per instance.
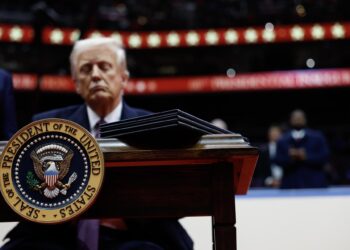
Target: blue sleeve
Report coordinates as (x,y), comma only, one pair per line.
(282,156)
(319,153)
(8,119)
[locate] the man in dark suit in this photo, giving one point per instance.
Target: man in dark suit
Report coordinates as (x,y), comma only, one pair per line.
(99,70)
(7,107)
(303,154)
(267,172)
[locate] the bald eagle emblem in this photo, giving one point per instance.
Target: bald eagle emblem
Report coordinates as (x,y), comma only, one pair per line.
(51,164)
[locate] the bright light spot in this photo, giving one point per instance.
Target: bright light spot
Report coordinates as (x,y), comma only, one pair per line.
(173,39)
(16,34)
(317,32)
(74,36)
(338,31)
(56,36)
(268,35)
(250,35)
(135,40)
(153,40)
(269,26)
(152,86)
(211,37)
(310,63)
(140,86)
(117,37)
(297,33)
(231,72)
(231,36)
(192,38)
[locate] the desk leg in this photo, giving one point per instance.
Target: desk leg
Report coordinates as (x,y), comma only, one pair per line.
(224,218)
(224,237)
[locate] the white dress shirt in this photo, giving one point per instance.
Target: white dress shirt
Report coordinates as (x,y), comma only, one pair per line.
(114,116)
(298,134)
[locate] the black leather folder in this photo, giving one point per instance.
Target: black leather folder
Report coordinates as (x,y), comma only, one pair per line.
(168,129)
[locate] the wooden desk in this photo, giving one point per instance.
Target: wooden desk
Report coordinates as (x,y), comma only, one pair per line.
(197,181)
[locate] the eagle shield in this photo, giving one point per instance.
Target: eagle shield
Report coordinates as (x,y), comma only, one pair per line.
(51,165)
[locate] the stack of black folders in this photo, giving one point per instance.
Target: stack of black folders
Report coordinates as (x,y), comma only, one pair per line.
(164,130)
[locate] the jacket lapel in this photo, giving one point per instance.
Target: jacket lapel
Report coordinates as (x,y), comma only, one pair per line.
(128,112)
(80,116)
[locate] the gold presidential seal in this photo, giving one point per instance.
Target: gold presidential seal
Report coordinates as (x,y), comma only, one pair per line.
(51,171)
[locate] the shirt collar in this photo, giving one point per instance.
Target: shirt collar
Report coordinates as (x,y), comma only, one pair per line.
(114,116)
(298,134)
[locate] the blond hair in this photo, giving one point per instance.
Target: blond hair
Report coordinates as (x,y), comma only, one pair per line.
(84,44)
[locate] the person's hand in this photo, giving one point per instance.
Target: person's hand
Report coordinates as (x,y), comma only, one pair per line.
(293,153)
(272,182)
(301,154)
(297,154)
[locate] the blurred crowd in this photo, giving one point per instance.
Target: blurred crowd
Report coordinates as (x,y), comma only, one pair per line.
(294,156)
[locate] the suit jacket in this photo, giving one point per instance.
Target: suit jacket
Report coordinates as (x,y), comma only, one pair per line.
(310,172)
(167,233)
(78,114)
(7,107)
(263,167)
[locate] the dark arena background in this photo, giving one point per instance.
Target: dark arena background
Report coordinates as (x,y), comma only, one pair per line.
(180,51)
(249,63)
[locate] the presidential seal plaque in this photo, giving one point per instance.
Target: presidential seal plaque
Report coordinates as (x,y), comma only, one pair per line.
(51,171)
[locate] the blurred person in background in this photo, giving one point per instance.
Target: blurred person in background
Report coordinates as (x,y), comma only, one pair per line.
(303,154)
(8,124)
(220,123)
(267,172)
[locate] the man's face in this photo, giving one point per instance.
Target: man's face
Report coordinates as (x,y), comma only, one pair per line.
(298,120)
(274,134)
(99,79)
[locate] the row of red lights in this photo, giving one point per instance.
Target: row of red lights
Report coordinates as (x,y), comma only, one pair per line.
(189,38)
(324,78)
